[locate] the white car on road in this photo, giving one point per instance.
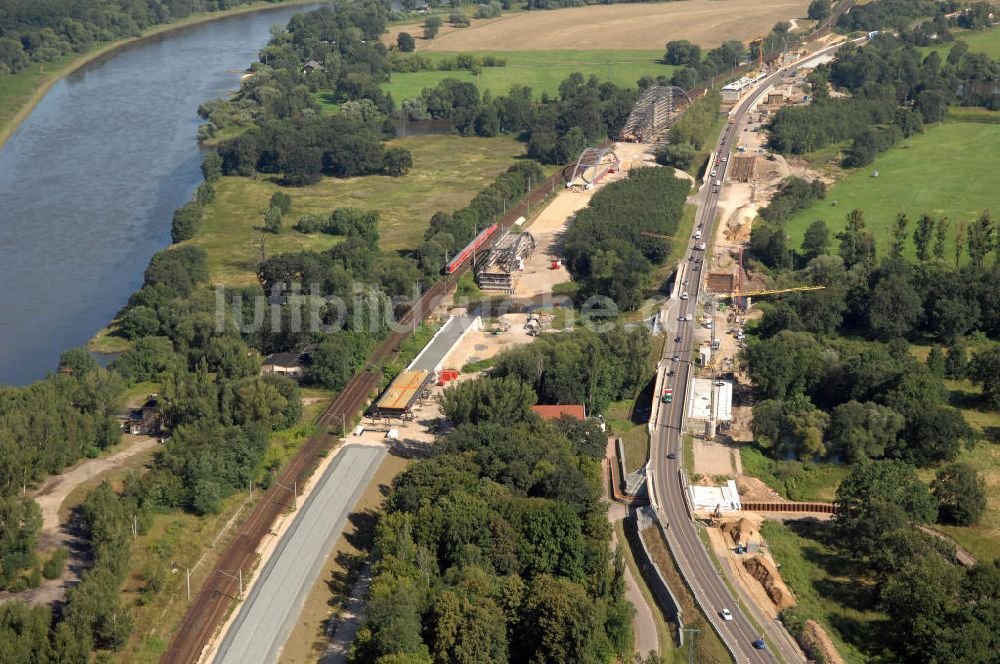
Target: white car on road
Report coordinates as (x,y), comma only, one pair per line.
(684,295)
(726,614)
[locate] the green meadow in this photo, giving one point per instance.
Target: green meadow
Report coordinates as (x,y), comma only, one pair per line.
(542,71)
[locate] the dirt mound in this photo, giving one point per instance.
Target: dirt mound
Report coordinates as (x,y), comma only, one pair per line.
(817,644)
(763,570)
(739,531)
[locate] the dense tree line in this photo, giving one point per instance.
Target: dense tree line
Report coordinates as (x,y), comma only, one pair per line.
(801,129)
(581,367)
(473,62)
(44,30)
(827,396)
(496,548)
(691,134)
(793,194)
(94,616)
(849,400)
(887,14)
(52,423)
(20,521)
(334,48)
(605,246)
(939,611)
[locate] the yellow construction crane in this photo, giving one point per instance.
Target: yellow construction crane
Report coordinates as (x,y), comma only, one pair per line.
(776,291)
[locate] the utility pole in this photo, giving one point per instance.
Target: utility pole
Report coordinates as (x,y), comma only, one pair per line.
(238,577)
(294,489)
(527,198)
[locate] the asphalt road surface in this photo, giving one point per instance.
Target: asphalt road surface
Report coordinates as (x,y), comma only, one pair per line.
(693,559)
(266,617)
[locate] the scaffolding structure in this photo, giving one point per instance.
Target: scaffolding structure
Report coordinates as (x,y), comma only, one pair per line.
(507,256)
(654,112)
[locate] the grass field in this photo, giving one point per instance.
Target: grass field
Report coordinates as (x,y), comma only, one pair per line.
(447,172)
(646,26)
(979,41)
(983,538)
(828,587)
(542,71)
(795,480)
(635,436)
(944,171)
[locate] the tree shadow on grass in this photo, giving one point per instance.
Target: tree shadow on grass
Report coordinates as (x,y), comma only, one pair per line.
(868,636)
(851,593)
(965,399)
(364,529)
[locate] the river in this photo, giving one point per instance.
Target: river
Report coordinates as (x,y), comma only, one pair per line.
(89,182)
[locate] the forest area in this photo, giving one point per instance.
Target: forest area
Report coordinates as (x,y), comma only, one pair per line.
(496,548)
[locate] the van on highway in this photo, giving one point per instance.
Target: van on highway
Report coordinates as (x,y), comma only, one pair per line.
(697,235)
(718,183)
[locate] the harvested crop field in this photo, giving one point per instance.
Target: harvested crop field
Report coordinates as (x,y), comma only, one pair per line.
(646,26)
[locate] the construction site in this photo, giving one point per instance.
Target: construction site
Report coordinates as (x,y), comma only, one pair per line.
(657,108)
(505,261)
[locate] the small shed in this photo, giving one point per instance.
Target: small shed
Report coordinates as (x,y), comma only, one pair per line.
(145,420)
(311,66)
(289,365)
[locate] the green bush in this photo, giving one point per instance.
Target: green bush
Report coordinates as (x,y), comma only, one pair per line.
(53,567)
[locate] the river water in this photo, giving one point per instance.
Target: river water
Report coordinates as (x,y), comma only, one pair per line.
(89,182)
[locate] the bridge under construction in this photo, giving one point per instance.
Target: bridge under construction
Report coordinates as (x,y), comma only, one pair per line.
(592,165)
(657,108)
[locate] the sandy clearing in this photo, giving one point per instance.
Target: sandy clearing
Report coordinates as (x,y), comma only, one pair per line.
(626,26)
(547,229)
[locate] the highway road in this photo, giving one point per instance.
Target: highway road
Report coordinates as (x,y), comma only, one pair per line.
(679,320)
(267,616)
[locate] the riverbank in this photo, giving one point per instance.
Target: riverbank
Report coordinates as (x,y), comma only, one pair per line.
(20,93)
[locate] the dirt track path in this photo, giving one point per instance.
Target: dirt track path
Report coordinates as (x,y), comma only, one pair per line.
(51,495)
(55,533)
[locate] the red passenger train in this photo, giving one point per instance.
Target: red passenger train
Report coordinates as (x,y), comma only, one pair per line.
(470,249)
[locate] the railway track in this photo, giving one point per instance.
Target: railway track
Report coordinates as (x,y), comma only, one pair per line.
(216,595)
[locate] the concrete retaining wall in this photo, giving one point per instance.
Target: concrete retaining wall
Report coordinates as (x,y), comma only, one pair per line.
(621,464)
(653,576)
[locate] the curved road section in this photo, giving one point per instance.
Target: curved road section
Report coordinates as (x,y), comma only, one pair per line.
(709,589)
(267,616)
